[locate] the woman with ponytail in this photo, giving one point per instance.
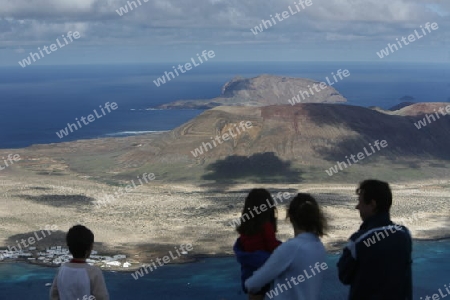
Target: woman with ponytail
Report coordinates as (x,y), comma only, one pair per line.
(295,269)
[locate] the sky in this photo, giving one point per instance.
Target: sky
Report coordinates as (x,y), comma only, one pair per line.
(175,30)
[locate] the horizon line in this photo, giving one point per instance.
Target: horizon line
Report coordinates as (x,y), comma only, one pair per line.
(240,62)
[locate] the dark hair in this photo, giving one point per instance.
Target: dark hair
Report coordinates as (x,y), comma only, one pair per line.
(305,214)
(79,240)
(255,221)
(376,190)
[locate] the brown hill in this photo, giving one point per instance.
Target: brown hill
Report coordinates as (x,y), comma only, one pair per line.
(308,131)
(285,144)
(418,109)
(401,105)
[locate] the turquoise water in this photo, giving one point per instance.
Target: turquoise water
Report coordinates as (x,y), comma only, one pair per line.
(215,278)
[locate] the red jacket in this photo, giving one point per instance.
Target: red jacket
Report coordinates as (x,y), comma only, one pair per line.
(264,240)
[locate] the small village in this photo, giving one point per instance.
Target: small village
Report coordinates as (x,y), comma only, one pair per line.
(57,255)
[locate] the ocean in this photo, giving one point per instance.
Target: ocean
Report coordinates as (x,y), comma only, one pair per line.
(216,279)
(38,101)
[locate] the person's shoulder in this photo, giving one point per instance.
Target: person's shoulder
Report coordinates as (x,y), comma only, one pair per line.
(94,270)
(306,244)
(356,235)
(302,240)
(287,245)
(402,231)
(93,267)
(400,227)
(285,250)
(70,265)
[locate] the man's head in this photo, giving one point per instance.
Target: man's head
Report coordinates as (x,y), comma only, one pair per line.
(375,197)
(80,241)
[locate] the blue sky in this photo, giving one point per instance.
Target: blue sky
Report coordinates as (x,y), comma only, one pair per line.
(175,30)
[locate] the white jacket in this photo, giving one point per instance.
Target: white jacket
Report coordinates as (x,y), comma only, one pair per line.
(295,270)
(77,280)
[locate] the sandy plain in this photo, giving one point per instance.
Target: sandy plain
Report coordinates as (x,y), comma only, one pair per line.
(156,217)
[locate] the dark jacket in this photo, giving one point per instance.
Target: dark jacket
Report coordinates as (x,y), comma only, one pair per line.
(250,261)
(376,262)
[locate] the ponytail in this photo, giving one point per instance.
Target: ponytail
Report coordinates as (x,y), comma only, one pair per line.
(305,214)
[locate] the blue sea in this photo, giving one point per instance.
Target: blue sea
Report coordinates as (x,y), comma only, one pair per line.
(216,279)
(38,101)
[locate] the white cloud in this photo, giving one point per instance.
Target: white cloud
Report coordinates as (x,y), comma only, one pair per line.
(220,22)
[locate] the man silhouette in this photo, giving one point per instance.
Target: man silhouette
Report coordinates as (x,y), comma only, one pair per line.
(376,262)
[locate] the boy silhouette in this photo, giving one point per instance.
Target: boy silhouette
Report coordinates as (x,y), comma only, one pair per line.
(76,279)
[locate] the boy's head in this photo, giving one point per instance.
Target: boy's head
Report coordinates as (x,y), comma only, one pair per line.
(80,241)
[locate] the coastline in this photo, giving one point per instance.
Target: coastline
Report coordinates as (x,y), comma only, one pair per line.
(190,259)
